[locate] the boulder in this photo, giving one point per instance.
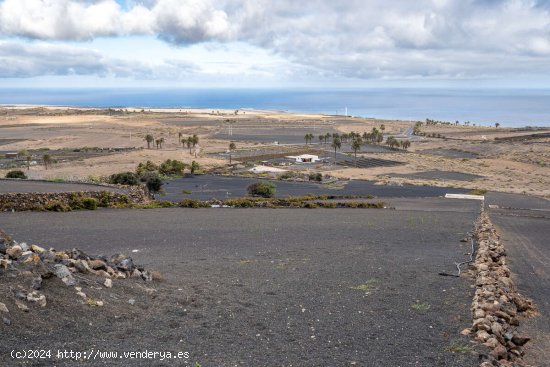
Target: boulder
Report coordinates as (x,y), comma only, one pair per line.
(123,262)
(61,271)
(3,308)
(499,352)
(97,264)
(37,249)
(14,252)
(520,339)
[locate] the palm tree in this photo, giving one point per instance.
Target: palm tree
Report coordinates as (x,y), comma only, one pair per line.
(321,138)
(183,141)
(232,147)
(161,140)
(47,159)
(180,134)
(382,127)
(157,142)
(356,145)
(336,144)
(308,138)
(189,143)
(149,139)
(327,136)
(497,125)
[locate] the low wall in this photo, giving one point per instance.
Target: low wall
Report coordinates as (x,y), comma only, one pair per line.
(47,201)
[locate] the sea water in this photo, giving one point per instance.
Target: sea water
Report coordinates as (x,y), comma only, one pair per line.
(509,107)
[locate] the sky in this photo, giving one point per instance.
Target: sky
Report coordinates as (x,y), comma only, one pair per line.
(275,43)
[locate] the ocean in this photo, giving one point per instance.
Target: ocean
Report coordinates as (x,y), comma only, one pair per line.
(509,107)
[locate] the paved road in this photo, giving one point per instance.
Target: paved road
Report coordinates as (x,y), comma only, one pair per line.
(272,287)
(44,186)
(526,235)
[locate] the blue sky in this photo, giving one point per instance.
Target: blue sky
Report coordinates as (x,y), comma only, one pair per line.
(284,43)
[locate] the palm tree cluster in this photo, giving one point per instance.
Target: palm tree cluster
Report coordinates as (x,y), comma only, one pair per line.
(308,138)
(393,143)
(375,135)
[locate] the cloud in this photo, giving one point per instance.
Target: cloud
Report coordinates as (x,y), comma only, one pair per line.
(40,58)
(178,21)
(363,39)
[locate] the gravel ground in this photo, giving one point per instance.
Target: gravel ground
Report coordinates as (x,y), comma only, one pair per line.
(206,187)
(525,235)
(259,287)
(44,186)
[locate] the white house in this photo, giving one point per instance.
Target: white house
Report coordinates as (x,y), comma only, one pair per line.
(304,158)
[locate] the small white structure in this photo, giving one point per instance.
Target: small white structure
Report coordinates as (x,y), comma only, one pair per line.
(266,169)
(304,158)
(464,196)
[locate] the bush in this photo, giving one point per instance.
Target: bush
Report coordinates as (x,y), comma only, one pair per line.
(263,189)
(316,177)
(154,184)
(57,206)
(194,167)
(89,203)
(125,178)
(172,167)
(146,167)
(16,174)
(191,203)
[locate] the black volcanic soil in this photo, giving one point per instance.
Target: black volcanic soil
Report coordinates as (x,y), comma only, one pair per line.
(257,287)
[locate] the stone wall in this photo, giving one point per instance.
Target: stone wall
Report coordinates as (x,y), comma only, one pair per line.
(69,200)
(497,307)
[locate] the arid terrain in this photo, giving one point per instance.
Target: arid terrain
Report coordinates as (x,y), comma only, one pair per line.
(508,160)
(354,285)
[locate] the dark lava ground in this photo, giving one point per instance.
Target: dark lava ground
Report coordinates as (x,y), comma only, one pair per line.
(258,287)
(206,187)
(526,236)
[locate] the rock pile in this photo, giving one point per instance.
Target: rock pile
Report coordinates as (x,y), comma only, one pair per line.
(497,306)
(65,201)
(69,266)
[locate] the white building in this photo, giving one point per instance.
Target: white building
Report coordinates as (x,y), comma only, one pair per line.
(304,158)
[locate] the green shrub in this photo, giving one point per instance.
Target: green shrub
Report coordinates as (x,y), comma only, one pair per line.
(263,189)
(194,167)
(154,184)
(124,178)
(318,177)
(146,167)
(191,203)
(172,167)
(89,203)
(16,174)
(57,206)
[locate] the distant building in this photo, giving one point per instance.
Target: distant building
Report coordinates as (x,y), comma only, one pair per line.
(304,158)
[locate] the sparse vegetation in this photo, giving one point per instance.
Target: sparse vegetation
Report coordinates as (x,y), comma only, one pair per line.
(16,174)
(263,189)
(124,178)
(368,286)
(477,192)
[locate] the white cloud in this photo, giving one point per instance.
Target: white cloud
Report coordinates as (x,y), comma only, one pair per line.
(179,21)
(363,39)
